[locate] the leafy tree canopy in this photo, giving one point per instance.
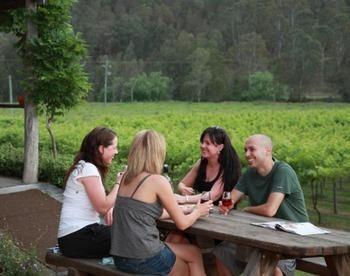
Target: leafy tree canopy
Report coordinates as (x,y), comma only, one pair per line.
(56,79)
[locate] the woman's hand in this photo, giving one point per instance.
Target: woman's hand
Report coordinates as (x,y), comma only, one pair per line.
(225,209)
(180,199)
(204,208)
(119,177)
(109,217)
(186,190)
(187,209)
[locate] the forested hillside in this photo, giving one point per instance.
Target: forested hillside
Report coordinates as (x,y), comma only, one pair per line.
(210,50)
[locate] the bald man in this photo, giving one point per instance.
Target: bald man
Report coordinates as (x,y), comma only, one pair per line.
(273,190)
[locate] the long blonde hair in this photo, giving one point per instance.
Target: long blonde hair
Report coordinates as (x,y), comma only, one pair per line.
(147,154)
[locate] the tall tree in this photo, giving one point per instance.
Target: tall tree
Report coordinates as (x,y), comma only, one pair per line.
(199,75)
(57,80)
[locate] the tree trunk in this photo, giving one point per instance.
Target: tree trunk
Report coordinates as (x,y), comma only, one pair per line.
(199,92)
(280,37)
(31,147)
(314,195)
(52,137)
(31,131)
(335,207)
(340,184)
(132,93)
(322,187)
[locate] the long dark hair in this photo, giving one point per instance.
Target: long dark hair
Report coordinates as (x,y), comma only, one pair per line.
(99,136)
(230,165)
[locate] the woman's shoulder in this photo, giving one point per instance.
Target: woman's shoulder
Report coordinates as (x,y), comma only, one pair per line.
(158,181)
(90,165)
(196,165)
(157,178)
(86,168)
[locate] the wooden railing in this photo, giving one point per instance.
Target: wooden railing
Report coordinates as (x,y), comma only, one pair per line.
(10,105)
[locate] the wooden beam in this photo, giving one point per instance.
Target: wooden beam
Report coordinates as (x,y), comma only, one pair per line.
(6,5)
(9,105)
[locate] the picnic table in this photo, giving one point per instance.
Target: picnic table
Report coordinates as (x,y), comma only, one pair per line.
(272,245)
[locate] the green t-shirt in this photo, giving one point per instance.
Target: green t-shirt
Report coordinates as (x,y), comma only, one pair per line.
(281,179)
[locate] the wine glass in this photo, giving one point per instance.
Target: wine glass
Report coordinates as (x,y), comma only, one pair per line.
(205,196)
(226,199)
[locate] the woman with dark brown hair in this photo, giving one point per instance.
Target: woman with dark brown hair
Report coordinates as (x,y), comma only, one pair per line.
(80,233)
(218,169)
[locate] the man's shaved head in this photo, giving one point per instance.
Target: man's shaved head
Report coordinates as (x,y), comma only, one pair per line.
(262,140)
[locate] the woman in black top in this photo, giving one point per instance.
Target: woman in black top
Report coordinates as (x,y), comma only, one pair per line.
(217,171)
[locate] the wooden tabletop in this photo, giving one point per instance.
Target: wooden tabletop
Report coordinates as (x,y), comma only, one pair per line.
(236,227)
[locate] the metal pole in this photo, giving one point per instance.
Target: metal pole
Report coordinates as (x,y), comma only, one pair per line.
(10,89)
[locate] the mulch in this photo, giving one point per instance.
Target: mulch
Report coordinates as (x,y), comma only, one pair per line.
(31,218)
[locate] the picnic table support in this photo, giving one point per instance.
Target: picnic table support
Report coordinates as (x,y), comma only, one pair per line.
(314,265)
(261,263)
(268,263)
(338,264)
(82,267)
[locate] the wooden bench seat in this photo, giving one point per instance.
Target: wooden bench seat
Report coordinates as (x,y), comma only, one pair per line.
(82,266)
(316,265)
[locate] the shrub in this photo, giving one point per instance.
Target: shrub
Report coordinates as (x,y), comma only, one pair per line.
(53,170)
(262,86)
(14,261)
(11,160)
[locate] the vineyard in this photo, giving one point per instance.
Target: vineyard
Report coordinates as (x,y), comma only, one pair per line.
(313,138)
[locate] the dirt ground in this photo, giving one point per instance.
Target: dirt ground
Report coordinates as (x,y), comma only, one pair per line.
(31,217)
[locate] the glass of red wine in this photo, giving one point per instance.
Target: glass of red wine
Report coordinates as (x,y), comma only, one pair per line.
(226,199)
(205,196)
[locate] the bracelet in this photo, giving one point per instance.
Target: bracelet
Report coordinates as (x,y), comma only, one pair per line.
(186,196)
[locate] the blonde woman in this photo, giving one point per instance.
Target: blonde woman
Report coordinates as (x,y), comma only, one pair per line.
(142,195)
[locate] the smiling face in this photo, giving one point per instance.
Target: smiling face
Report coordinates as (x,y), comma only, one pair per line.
(108,153)
(257,152)
(210,149)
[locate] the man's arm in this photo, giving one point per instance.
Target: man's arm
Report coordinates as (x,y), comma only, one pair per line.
(268,209)
(236,195)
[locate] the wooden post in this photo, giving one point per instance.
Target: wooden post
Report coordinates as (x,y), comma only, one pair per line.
(31,132)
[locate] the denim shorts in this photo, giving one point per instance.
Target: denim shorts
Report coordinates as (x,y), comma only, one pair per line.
(159,264)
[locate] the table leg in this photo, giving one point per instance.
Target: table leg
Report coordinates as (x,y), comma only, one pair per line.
(261,263)
(268,263)
(338,265)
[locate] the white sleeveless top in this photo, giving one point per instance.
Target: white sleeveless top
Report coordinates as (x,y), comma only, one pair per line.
(77,209)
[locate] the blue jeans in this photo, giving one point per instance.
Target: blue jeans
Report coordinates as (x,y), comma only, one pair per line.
(159,264)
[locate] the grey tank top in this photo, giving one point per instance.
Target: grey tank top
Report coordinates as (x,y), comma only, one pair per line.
(134,229)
